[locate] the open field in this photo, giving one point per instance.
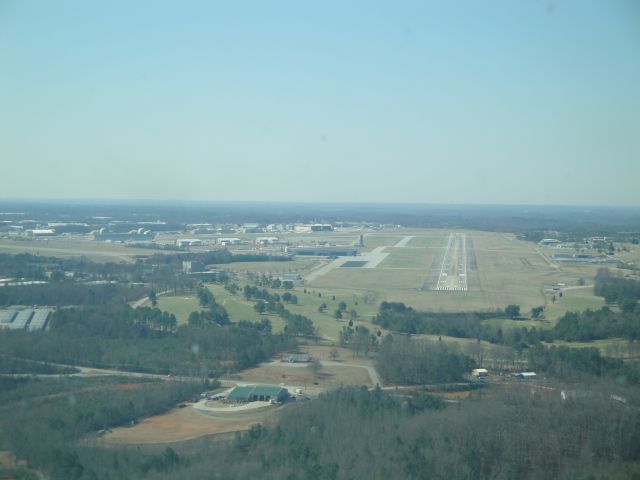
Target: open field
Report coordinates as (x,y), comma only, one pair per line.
(500,270)
(240,309)
(96,251)
(399,267)
(610,347)
(573,300)
(186,423)
(299,374)
(296,265)
(182,424)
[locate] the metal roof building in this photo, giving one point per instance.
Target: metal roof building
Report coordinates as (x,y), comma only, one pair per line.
(21,319)
(259,393)
(6,316)
(296,358)
(39,320)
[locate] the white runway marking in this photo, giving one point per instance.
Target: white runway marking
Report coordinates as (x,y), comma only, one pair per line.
(453,271)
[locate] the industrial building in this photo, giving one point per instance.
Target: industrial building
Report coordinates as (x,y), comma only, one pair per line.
(259,393)
(21,318)
(297,358)
(331,251)
(102,235)
(229,241)
(291,277)
(188,242)
(549,242)
(41,232)
(322,227)
(267,240)
(583,258)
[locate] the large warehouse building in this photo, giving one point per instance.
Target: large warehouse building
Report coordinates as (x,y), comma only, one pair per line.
(260,393)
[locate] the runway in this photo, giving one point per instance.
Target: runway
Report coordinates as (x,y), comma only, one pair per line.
(453,271)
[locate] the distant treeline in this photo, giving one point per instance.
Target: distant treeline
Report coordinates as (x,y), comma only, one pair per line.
(509,218)
(401,318)
(576,363)
(214,257)
(69,293)
(19,365)
(34,267)
(595,325)
(617,289)
(404,361)
(572,326)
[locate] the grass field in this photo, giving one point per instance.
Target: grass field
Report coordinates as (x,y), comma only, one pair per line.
(611,347)
(502,270)
(96,251)
(240,309)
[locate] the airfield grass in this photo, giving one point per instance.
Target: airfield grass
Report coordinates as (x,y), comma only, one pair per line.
(433,240)
(297,265)
(509,271)
(240,309)
(95,251)
(409,258)
(180,305)
(575,300)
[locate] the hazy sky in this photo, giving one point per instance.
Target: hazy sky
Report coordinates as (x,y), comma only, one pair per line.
(480,101)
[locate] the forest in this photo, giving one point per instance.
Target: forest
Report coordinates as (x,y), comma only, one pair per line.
(115,335)
(514,431)
(46,421)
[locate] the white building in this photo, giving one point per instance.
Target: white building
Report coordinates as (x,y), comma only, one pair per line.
(188,242)
(267,240)
(229,241)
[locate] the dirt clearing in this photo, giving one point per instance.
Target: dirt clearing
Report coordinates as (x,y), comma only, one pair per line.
(186,423)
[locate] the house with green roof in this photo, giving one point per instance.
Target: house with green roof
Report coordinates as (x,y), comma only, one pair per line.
(258,393)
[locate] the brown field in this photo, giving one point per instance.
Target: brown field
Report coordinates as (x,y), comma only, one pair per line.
(184,424)
(181,424)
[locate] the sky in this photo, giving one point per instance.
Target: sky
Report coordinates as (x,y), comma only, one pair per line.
(454,102)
